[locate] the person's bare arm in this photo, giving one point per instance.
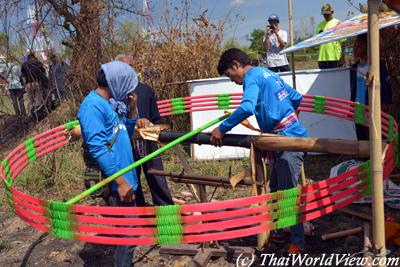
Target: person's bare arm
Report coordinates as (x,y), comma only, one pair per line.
(266,37)
(280,40)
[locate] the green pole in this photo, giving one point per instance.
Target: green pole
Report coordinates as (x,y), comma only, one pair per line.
(141,161)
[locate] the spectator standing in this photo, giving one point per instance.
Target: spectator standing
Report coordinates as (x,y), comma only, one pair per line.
(275,41)
(33,77)
(358,86)
(57,77)
(148,113)
(11,74)
(330,53)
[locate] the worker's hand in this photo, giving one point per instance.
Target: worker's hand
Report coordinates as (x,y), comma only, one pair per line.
(74,132)
(216,137)
(143,123)
(125,191)
(132,97)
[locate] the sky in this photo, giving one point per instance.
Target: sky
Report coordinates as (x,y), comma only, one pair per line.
(254,13)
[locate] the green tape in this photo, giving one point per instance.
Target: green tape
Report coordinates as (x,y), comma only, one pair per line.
(292,192)
(224,101)
(30,149)
(359,110)
(287,203)
(319,104)
(168,215)
(169,224)
(176,229)
(64,234)
(224,95)
(71,124)
(177,112)
(7,186)
(178,106)
(60,219)
(169,239)
(287,222)
(287,212)
(6,170)
(178,101)
(168,210)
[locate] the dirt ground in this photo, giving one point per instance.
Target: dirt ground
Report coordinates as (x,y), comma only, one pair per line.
(21,245)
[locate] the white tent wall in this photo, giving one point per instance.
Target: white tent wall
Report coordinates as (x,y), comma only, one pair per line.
(332,83)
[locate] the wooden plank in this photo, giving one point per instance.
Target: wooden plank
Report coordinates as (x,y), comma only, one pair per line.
(258,175)
(186,249)
(201,259)
(192,250)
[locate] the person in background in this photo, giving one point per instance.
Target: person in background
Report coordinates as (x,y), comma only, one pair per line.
(274,103)
(57,77)
(275,41)
(148,114)
(358,86)
(11,76)
(107,117)
(34,79)
(330,53)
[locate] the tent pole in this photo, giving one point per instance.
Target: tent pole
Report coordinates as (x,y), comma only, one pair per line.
(293,67)
(373,81)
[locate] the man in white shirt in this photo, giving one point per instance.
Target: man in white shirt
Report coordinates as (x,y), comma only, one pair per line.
(274,41)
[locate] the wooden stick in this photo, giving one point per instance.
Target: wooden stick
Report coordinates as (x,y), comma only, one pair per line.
(367,243)
(324,145)
(360,214)
(375,133)
(342,233)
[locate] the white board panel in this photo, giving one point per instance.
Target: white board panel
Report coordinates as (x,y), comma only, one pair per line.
(332,83)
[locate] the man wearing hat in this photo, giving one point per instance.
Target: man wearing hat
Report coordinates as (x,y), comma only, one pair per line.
(274,41)
(330,53)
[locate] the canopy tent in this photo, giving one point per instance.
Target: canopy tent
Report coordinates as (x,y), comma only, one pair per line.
(348,28)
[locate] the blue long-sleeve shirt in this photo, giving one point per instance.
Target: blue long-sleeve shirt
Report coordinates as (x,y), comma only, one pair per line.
(270,99)
(100,124)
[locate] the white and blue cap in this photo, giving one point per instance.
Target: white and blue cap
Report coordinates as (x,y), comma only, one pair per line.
(273,17)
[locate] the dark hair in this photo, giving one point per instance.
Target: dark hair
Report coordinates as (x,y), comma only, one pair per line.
(227,58)
(101,79)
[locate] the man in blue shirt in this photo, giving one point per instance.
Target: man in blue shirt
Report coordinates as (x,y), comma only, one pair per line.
(107,117)
(274,103)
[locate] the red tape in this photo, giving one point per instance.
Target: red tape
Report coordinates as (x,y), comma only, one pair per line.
(224,215)
(116,240)
(227,204)
(224,225)
(227,234)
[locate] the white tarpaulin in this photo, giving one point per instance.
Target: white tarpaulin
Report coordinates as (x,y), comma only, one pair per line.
(332,83)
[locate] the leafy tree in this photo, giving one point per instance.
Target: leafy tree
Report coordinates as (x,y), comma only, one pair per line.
(232,43)
(256,42)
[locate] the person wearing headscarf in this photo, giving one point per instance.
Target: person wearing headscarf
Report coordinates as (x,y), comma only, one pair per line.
(107,117)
